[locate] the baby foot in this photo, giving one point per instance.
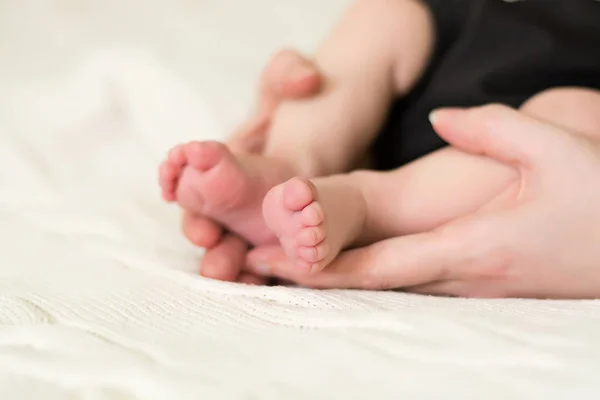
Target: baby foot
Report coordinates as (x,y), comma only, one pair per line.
(314,221)
(205,178)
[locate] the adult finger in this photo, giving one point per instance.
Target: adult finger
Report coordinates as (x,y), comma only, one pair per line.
(200,230)
(288,75)
(369,267)
(444,254)
(252,279)
(224,261)
(441,288)
(458,288)
(501,133)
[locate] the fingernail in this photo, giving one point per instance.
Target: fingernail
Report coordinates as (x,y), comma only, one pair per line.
(303,71)
(263,269)
(433,117)
(440,114)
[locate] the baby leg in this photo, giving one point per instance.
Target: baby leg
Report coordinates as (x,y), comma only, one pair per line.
(376,53)
(448,184)
(314,221)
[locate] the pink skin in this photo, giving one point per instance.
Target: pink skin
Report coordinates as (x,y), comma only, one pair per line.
(206,179)
(293,214)
(288,75)
(224,260)
(315,220)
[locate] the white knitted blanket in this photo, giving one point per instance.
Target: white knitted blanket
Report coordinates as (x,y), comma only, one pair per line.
(99,295)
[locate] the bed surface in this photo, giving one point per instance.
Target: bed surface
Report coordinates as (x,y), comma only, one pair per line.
(99,295)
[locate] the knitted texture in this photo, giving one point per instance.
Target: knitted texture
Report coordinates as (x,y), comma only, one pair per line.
(99,293)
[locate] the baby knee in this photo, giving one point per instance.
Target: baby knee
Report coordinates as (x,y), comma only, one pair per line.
(575,109)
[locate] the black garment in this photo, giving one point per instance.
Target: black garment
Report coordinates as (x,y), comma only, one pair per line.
(493,51)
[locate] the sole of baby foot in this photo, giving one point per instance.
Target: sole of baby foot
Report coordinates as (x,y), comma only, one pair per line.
(205,178)
(313,222)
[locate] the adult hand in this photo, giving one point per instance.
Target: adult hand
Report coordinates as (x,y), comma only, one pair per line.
(288,75)
(540,238)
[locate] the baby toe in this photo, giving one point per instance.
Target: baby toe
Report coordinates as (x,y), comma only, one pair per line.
(311,236)
(312,214)
(314,254)
(204,156)
(303,266)
(177,155)
(297,194)
(168,172)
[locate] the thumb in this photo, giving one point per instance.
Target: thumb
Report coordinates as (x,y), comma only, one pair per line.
(501,133)
(250,137)
(288,75)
